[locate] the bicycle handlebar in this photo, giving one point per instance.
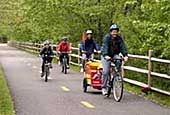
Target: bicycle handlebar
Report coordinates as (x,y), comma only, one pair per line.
(113,59)
(46,56)
(83,51)
(64,52)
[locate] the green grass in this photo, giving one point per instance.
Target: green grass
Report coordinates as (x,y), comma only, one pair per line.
(155,97)
(75,68)
(6,104)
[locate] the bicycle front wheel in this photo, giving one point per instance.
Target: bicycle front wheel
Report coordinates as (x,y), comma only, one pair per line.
(65,65)
(117,88)
(46,73)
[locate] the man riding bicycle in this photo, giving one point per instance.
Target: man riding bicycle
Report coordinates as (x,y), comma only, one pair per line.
(64,47)
(46,53)
(112,46)
(87,48)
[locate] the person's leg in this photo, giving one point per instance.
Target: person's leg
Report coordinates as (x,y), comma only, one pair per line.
(106,71)
(92,57)
(50,61)
(83,62)
(67,56)
(118,62)
(61,58)
(42,68)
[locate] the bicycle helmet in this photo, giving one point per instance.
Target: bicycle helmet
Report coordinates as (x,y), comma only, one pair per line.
(114,27)
(64,38)
(46,42)
(89,32)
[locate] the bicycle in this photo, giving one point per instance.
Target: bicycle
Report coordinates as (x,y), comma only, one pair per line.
(47,67)
(64,62)
(115,84)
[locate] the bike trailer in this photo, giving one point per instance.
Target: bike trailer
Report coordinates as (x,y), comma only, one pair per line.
(91,69)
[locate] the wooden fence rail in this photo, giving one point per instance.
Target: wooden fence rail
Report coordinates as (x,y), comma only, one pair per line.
(36,47)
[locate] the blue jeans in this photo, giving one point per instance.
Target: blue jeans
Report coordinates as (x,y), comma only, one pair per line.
(84,58)
(106,69)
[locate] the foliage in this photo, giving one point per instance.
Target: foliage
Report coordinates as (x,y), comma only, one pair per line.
(144,24)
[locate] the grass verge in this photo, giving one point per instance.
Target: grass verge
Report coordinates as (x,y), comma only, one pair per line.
(6,104)
(158,98)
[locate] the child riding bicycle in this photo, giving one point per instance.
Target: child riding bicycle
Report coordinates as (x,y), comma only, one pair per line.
(46,53)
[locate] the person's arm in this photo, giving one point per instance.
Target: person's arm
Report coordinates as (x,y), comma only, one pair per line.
(81,46)
(51,51)
(96,46)
(105,47)
(42,51)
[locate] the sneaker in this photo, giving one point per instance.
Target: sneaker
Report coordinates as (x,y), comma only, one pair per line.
(49,77)
(42,74)
(104,91)
(82,70)
(51,65)
(68,67)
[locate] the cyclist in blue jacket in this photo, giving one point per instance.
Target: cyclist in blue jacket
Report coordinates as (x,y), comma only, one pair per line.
(87,48)
(113,45)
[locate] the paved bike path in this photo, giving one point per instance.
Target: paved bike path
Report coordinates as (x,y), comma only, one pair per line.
(32,96)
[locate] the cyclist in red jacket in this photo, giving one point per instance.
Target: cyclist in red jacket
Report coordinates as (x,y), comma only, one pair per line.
(64,47)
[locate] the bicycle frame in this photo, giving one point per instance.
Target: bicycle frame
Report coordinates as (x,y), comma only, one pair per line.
(116,84)
(46,68)
(64,63)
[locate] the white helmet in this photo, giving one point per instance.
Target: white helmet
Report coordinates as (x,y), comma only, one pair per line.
(46,42)
(89,32)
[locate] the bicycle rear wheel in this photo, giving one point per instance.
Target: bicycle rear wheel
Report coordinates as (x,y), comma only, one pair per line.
(117,88)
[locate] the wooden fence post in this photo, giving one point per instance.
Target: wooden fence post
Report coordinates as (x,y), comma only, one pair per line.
(70,55)
(36,47)
(149,68)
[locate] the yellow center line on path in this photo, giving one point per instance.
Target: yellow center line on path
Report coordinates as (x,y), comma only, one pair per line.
(64,88)
(88,105)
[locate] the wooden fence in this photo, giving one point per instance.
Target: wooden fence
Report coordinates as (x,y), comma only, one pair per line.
(36,47)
